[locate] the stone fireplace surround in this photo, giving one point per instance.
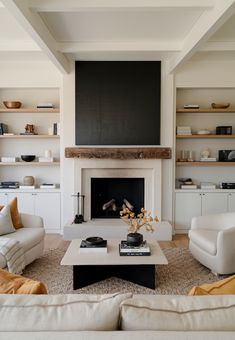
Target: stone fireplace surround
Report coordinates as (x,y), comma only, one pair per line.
(118,163)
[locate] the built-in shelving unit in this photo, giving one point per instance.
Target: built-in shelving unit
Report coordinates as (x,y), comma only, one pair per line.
(195,202)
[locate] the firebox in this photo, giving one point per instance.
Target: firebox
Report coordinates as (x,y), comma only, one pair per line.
(110,195)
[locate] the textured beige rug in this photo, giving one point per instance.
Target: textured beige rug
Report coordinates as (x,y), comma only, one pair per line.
(178,277)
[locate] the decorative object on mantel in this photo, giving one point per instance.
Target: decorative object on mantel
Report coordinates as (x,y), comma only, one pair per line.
(135,223)
(220,105)
(79,217)
(12,104)
(119,153)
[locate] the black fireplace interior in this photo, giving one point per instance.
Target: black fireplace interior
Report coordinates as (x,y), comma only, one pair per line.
(110,195)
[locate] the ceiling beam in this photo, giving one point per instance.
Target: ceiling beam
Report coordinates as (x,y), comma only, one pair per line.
(85,5)
(170,46)
(208,23)
(38,31)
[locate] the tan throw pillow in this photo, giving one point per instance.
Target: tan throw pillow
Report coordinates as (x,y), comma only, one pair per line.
(6,226)
(17,284)
(15,215)
(221,287)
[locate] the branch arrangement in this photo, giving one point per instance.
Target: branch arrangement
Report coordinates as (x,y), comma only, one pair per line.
(135,222)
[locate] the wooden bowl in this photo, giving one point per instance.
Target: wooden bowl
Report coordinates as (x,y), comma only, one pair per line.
(220,105)
(12,105)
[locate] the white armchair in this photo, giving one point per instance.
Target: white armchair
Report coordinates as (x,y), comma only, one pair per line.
(212,242)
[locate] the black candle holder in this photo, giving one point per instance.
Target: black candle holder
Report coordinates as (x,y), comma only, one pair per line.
(79,217)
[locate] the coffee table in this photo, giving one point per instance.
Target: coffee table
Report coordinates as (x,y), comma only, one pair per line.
(92,267)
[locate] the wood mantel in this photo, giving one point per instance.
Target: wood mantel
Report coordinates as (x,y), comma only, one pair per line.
(119,153)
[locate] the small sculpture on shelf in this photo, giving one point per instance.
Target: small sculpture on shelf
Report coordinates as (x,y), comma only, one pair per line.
(29,129)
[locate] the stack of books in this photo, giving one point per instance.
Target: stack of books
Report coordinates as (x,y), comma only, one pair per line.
(191,106)
(47,186)
(184,130)
(87,247)
(9,159)
(208,159)
(9,185)
(54,129)
(208,185)
(45,106)
(127,250)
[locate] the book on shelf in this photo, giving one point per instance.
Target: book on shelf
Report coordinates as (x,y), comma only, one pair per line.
(191,106)
(208,159)
(188,186)
(86,247)
(45,159)
(45,106)
(3,128)
(9,159)
(126,250)
(27,187)
(47,186)
(207,185)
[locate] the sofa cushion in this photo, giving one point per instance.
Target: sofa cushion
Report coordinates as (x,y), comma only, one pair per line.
(6,226)
(28,237)
(60,312)
(225,286)
(17,284)
(205,239)
(15,215)
(179,313)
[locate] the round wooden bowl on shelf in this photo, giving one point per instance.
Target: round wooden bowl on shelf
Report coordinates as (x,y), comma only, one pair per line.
(12,104)
(220,105)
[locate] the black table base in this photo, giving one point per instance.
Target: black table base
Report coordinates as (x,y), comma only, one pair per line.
(143,275)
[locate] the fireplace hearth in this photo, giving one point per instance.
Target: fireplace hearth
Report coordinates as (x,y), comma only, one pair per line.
(111,195)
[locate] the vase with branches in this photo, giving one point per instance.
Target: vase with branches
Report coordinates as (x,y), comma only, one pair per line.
(135,223)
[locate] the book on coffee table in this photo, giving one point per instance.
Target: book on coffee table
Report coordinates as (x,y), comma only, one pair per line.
(126,250)
(86,247)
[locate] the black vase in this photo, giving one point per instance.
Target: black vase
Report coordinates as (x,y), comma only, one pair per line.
(134,239)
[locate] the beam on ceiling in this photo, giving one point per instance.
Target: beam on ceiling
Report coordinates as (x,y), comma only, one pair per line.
(208,23)
(170,46)
(38,31)
(81,5)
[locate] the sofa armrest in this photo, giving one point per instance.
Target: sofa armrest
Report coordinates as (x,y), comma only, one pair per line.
(31,221)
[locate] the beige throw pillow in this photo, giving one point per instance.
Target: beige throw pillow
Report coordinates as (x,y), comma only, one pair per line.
(6,226)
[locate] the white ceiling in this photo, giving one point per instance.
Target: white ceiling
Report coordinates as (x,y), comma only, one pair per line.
(64,30)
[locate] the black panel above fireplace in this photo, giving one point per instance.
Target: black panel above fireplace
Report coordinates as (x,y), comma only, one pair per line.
(104,190)
(118,102)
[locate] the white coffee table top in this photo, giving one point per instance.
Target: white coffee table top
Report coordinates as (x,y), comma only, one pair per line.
(72,256)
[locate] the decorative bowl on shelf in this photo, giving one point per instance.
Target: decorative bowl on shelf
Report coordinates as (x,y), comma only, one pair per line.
(28,158)
(220,105)
(12,104)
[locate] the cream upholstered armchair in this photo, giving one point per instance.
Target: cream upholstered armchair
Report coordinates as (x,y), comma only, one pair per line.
(212,241)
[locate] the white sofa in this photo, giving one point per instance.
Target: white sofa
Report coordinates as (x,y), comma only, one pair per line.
(31,238)
(212,240)
(117,316)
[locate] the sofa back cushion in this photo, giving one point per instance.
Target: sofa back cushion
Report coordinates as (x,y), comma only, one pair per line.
(60,312)
(15,215)
(179,313)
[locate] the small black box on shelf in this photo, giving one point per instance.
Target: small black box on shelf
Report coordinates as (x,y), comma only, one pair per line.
(224,130)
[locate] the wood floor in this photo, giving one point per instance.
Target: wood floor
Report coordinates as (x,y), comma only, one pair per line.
(53,241)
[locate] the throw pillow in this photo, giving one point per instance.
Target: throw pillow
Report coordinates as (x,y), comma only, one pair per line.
(222,287)
(15,215)
(6,226)
(17,284)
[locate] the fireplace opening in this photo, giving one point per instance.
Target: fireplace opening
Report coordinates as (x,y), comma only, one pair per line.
(110,195)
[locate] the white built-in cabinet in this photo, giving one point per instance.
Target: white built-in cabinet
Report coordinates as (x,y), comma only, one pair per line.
(44,204)
(189,203)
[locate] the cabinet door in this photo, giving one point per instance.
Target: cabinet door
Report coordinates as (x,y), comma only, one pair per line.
(187,205)
(47,205)
(25,201)
(3,198)
(231,202)
(214,203)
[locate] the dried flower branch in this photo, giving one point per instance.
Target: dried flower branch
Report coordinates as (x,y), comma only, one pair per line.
(143,219)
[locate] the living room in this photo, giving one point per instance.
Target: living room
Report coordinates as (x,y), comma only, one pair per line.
(42,44)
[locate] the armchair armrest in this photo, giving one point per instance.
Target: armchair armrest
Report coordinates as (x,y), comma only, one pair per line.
(31,221)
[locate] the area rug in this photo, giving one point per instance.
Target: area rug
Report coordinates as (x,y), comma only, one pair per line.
(178,277)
